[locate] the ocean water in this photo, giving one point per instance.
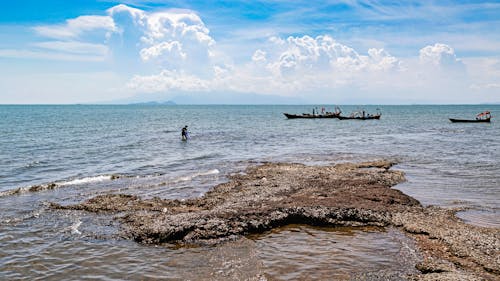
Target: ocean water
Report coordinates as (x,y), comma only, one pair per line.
(71,153)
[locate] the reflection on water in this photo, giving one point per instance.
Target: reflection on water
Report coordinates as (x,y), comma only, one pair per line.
(125,260)
(299,252)
(70,245)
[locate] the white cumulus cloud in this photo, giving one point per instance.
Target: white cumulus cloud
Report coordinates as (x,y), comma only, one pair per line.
(184,56)
(259,57)
(172,50)
(440,55)
(172,39)
(304,63)
(299,55)
(288,66)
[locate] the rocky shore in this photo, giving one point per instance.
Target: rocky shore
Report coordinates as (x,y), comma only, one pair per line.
(278,194)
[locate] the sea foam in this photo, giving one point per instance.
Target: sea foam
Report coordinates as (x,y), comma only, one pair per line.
(85,180)
(195,175)
(57,184)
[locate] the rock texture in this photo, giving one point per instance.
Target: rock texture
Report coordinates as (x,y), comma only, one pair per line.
(277,194)
(452,250)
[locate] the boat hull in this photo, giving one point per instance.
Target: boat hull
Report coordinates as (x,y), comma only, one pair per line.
(376,117)
(309,116)
(487,120)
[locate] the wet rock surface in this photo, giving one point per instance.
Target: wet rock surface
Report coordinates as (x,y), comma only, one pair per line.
(278,194)
(452,250)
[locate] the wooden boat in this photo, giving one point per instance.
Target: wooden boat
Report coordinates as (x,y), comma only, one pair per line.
(324,114)
(486,120)
(483,117)
(311,116)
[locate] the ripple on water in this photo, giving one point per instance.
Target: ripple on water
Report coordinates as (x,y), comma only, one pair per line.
(294,252)
(122,259)
(483,218)
(298,252)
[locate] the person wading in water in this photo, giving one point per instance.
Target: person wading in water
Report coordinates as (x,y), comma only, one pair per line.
(184,133)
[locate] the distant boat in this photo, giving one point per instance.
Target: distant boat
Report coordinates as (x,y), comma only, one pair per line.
(311,116)
(483,117)
(325,114)
(470,120)
(361,115)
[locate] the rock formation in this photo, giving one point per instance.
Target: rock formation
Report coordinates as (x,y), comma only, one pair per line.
(277,194)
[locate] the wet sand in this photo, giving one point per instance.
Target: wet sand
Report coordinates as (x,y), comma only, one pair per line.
(273,195)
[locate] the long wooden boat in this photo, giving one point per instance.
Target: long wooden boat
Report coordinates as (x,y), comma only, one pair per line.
(486,120)
(311,116)
(483,117)
(367,117)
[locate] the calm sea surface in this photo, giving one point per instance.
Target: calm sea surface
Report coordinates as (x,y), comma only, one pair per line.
(82,148)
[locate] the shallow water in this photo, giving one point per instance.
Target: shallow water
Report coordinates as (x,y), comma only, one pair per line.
(294,252)
(90,150)
(299,252)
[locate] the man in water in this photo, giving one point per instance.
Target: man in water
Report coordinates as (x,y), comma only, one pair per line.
(184,133)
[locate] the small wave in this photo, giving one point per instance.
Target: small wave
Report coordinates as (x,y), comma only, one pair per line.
(54,185)
(74,227)
(195,175)
(453,131)
(32,164)
(88,180)
(170,181)
(32,215)
(205,156)
(29,166)
(26,189)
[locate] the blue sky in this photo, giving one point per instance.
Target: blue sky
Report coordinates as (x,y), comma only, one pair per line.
(342,51)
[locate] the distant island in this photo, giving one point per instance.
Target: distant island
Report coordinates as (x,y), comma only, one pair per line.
(155,103)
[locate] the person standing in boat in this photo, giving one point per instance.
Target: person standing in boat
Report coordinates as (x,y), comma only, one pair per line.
(184,133)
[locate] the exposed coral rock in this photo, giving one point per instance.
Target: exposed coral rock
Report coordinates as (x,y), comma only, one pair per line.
(277,194)
(449,246)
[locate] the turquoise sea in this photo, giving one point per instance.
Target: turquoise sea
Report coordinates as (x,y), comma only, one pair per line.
(75,152)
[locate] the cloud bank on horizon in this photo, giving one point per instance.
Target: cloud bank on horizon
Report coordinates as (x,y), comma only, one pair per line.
(169,51)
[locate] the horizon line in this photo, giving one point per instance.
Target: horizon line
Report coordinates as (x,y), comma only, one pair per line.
(218,104)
